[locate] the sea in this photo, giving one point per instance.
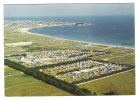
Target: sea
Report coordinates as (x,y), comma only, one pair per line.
(116,30)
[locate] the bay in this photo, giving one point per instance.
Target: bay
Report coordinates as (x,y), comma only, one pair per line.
(117,30)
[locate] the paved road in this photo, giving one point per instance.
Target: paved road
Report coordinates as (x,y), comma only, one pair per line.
(104,77)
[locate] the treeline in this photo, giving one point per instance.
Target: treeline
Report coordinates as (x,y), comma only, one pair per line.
(111,62)
(103,75)
(14,65)
(30,49)
(113,93)
(62,63)
(18,55)
(69,87)
(107,52)
(77,69)
(77,55)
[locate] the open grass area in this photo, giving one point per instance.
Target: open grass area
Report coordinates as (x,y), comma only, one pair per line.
(119,55)
(18,80)
(36,89)
(44,43)
(123,83)
(28,86)
(11,71)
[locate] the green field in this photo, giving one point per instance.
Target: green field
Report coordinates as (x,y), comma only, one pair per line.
(28,86)
(123,83)
(11,71)
(36,89)
(18,80)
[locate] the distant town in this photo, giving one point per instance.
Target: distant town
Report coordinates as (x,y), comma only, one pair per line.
(8,23)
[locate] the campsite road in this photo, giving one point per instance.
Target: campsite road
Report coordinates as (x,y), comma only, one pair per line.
(104,77)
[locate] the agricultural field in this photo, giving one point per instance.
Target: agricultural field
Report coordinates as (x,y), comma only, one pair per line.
(25,85)
(123,83)
(11,71)
(36,89)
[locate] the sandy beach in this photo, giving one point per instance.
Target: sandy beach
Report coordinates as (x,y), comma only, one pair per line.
(25,30)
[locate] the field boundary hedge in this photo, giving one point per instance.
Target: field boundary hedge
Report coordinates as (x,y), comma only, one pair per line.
(68,87)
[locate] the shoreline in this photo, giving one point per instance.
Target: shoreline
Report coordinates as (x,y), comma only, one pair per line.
(113,46)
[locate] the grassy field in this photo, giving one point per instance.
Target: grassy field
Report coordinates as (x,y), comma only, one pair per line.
(18,80)
(119,55)
(123,83)
(11,71)
(28,86)
(36,89)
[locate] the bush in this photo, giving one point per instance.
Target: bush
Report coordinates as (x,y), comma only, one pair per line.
(114,93)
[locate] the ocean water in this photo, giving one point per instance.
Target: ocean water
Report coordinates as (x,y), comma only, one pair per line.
(117,30)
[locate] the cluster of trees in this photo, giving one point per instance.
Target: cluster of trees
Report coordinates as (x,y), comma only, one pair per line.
(94,50)
(69,87)
(107,52)
(68,71)
(112,93)
(85,50)
(112,62)
(19,55)
(30,49)
(14,65)
(77,55)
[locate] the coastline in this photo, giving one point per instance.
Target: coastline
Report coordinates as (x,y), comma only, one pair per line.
(113,46)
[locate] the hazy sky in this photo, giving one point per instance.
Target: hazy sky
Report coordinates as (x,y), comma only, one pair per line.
(68,9)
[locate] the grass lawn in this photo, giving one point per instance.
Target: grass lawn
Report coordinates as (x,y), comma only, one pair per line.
(130,60)
(36,89)
(11,71)
(123,83)
(18,80)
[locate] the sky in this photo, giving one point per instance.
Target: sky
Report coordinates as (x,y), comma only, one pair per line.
(68,9)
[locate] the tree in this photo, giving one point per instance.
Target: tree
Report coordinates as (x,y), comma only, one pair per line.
(114,93)
(86,90)
(94,93)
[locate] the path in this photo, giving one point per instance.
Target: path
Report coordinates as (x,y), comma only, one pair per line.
(104,77)
(22,85)
(13,74)
(117,56)
(6,67)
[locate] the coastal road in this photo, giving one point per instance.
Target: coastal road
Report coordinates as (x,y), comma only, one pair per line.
(104,77)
